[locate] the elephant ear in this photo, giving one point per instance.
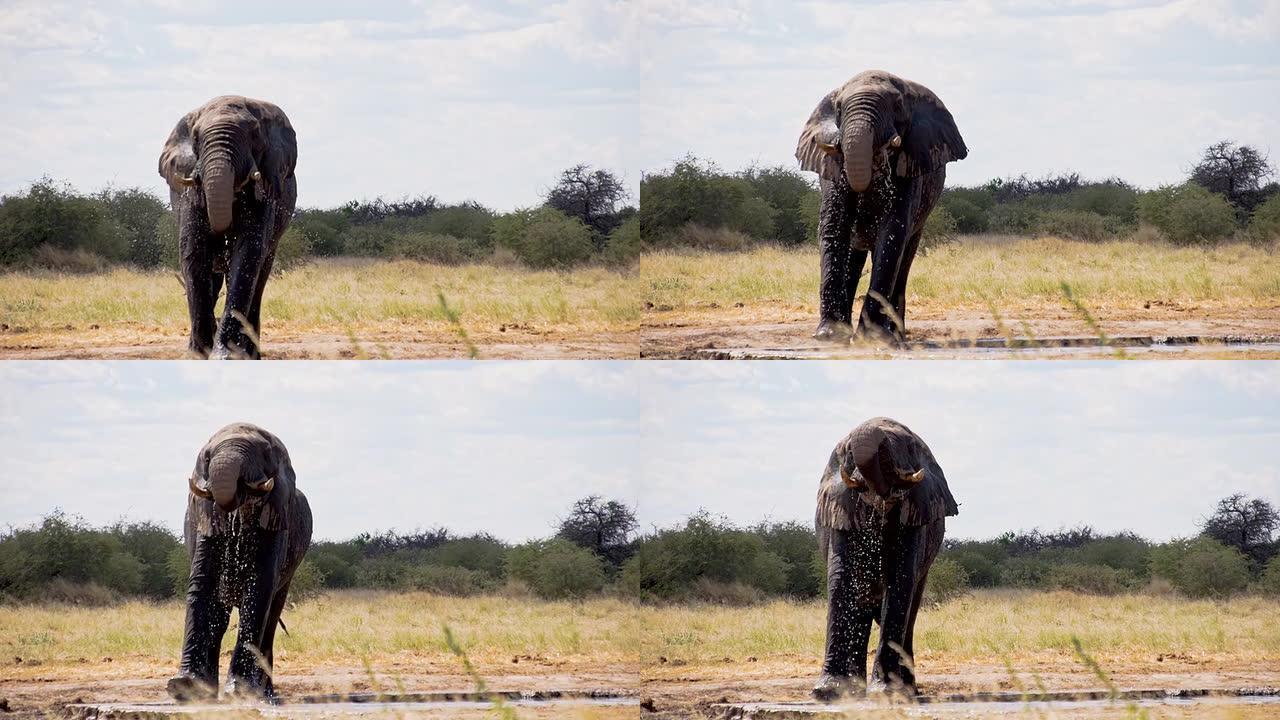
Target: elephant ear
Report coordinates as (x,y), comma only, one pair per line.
(819,147)
(279,153)
(178,158)
(932,140)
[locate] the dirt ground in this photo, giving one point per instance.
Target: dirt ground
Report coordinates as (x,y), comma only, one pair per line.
(404,342)
(37,692)
(669,691)
(781,332)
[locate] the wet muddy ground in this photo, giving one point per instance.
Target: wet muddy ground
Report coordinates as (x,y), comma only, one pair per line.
(513,343)
(777,690)
(601,693)
(957,335)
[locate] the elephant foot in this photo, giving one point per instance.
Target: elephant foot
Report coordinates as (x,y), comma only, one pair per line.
(895,690)
(241,688)
(831,688)
(888,337)
(833,331)
(189,688)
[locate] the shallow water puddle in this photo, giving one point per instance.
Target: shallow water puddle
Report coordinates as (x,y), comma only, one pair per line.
(1014,348)
(350,705)
(1006,704)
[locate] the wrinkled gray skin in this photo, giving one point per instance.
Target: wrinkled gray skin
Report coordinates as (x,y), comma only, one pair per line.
(247,528)
(229,165)
(880,145)
(882,504)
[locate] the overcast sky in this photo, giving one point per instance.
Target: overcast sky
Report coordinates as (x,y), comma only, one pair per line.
(464,100)
(503,448)
(1143,446)
(1134,88)
(506,447)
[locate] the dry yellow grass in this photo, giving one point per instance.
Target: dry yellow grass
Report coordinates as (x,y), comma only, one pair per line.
(339,628)
(985,626)
(338,295)
(972,274)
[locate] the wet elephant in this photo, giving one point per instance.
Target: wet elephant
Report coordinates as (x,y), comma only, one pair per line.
(882,504)
(247,528)
(229,165)
(880,145)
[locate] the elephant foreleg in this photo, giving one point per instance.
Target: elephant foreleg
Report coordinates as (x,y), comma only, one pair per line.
(900,285)
(269,638)
(206,622)
(879,316)
(249,664)
(196,260)
(235,335)
(255,307)
(854,592)
(909,551)
(834,224)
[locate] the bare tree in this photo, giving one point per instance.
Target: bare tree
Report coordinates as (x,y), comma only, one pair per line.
(1247,524)
(602,526)
(1237,172)
(592,196)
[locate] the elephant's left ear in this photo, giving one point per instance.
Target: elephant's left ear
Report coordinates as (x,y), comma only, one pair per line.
(819,147)
(280,151)
(933,140)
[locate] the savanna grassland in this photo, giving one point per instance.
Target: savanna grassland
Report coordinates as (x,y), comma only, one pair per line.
(336,308)
(339,642)
(978,287)
(989,640)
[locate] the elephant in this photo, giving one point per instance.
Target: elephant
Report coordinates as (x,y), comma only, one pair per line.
(882,507)
(880,145)
(229,166)
(247,529)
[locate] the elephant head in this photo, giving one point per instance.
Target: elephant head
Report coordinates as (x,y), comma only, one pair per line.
(882,469)
(225,145)
(238,464)
(876,120)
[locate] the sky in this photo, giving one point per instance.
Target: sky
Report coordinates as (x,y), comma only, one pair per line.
(489,101)
(1142,446)
(503,448)
(506,447)
(486,101)
(1128,88)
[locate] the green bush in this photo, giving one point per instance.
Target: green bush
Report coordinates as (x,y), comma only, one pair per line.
(624,245)
(786,192)
(1188,214)
(469,221)
(367,240)
(1201,567)
(544,237)
(1073,224)
(479,553)
(669,564)
(323,230)
(1269,582)
(981,570)
(150,544)
(292,251)
(556,569)
(167,241)
(1265,224)
(135,212)
(337,563)
(307,583)
(698,193)
(179,565)
(947,581)
(969,208)
(939,230)
(1025,572)
(1090,579)
(55,215)
(65,549)
(426,247)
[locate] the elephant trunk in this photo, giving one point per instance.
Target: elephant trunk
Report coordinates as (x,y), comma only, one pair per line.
(218,175)
(224,478)
(859,120)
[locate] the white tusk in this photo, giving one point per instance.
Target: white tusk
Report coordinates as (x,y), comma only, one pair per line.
(196,490)
(915,477)
(187,181)
(896,141)
(848,479)
(257,175)
(264,487)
